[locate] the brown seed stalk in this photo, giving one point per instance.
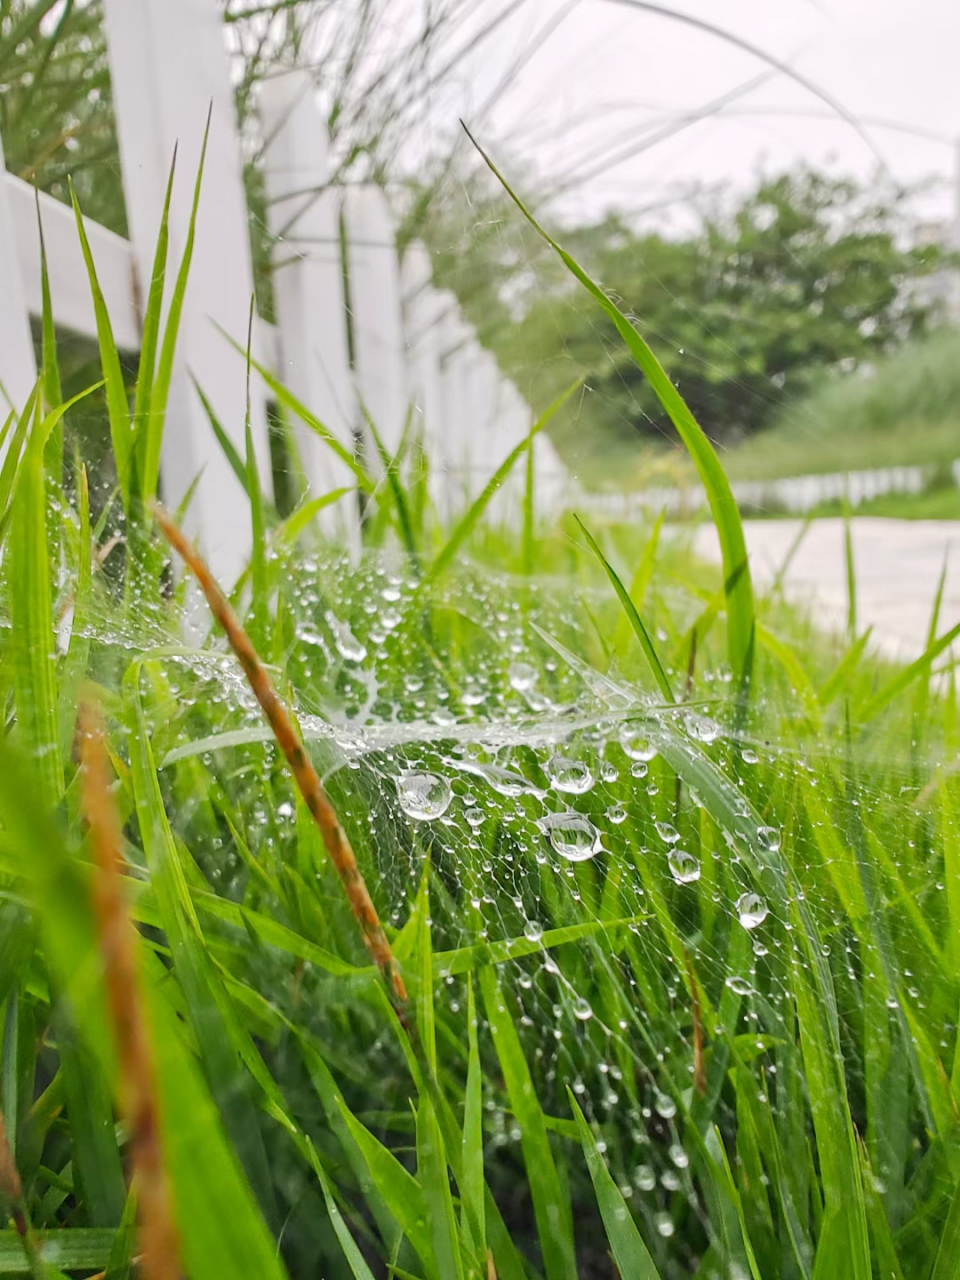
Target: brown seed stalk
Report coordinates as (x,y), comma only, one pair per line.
(159,1243)
(306,777)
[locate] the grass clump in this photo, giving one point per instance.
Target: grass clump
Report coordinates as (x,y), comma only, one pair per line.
(670,882)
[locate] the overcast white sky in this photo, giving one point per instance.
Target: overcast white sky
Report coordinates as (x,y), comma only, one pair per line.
(608,72)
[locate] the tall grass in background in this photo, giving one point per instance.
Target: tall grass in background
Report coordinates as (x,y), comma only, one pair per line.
(671,884)
(903,410)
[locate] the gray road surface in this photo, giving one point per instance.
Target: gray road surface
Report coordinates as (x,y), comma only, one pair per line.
(898,565)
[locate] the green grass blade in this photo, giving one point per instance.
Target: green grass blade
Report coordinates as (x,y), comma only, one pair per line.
(161,386)
(391,471)
(118,410)
(148,426)
(435,1181)
(839,679)
(51,390)
(465,525)
(291,528)
(300,410)
(260,606)
(471,1172)
(905,677)
(948,1253)
(355,1260)
(551,1207)
(641,583)
(851,573)
(79,1249)
(626,1244)
(528,511)
(736,570)
(33,648)
(630,609)
(226,444)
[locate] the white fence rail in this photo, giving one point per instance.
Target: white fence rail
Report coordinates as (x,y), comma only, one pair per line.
(393,343)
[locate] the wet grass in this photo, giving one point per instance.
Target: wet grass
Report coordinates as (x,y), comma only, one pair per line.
(672,883)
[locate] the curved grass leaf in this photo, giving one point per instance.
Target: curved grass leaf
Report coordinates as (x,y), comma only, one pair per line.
(630,609)
(626,1244)
(465,526)
(740,609)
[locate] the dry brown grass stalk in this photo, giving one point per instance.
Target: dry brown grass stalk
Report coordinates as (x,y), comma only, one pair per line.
(306,777)
(159,1242)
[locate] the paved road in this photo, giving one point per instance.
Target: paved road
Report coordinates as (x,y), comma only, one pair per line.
(898,565)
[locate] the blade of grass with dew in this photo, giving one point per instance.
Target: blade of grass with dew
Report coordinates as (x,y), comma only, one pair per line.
(309,419)
(435,1181)
(626,1244)
(33,646)
(118,410)
(391,471)
(224,441)
(633,617)
(740,607)
(529,513)
(471,1181)
(78,651)
(289,530)
(144,428)
(11,459)
(551,1207)
(51,390)
(260,585)
(640,584)
(401,1192)
(192,963)
(466,523)
(79,1249)
(160,390)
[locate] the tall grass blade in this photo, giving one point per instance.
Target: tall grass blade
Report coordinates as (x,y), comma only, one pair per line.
(468,520)
(629,1252)
(633,617)
(147,424)
(551,1207)
(740,608)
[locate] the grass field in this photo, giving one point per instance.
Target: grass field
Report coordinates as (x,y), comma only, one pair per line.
(666,975)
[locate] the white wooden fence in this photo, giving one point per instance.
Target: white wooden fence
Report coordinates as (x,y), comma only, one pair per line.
(409,344)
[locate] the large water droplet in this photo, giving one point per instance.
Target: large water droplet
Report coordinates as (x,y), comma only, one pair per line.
(572,835)
(664,1105)
(684,867)
(582,1009)
(667,832)
(348,646)
(739,986)
(533,931)
(616,814)
(702,728)
(751,910)
(423,796)
(571,776)
(522,676)
(768,838)
(636,744)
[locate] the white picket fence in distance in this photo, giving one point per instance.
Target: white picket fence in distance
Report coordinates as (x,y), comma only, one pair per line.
(368,336)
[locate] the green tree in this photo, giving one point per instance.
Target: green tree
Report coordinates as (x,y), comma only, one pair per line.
(806,274)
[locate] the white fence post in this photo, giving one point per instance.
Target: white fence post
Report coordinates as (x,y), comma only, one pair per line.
(18,369)
(303,216)
(168,64)
(377,319)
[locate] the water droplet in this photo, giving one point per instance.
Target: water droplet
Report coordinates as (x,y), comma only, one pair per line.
(679,1156)
(702,728)
(390,618)
(522,676)
(423,796)
(348,646)
(664,1106)
(769,838)
(646,1178)
(636,744)
(684,867)
(664,1225)
(572,835)
(616,814)
(474,817)
(739,986)
(609,772)
(582,1009)
(533,931)
(751,910)
(749,756)
(667,832)
(570,776)
(639,769)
